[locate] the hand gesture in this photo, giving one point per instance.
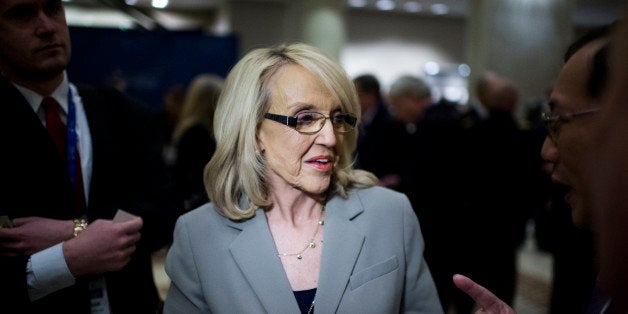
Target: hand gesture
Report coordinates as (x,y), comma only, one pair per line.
(104,246)
(30,235)
(487,301)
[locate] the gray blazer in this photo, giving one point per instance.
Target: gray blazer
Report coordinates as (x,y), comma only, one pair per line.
(372,261)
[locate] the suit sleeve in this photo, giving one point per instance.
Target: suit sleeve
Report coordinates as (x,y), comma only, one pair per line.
(185,294)
(13,290)
(420,292)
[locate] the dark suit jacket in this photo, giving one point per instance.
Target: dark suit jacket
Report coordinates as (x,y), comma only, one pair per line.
(380,145)
(127,173)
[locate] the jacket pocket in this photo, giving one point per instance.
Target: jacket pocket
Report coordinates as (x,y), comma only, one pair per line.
(373,272)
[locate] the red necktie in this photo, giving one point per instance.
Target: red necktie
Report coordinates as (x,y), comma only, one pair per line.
(58,131)
(55,126)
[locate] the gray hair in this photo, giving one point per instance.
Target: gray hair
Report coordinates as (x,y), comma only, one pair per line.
(408,85)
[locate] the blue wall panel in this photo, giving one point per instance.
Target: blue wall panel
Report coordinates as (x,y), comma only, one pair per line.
(148,62)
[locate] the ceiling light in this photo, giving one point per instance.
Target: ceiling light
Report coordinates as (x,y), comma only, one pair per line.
(357,3)
(439,9)
(464,70)
(431,68)
(160,4)
(385,5)
(412,6)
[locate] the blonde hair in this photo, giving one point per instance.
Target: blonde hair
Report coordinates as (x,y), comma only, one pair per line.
(199,104)
(237,168)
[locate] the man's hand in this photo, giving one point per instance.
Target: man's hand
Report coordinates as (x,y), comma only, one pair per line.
(104,246)
(30,235)
(487,301)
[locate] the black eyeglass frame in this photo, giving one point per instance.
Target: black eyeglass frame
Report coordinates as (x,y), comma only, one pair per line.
(554,122)
(292,122)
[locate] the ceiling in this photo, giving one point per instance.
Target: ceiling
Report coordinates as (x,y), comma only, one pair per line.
(587,12)
(457,6)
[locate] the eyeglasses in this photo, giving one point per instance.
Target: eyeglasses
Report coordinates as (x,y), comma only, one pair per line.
(312,122)
(553,123)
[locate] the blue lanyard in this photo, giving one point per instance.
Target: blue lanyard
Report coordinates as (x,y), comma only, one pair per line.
(72,138)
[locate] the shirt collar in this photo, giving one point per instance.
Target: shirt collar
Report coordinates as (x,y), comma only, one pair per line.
(60,94)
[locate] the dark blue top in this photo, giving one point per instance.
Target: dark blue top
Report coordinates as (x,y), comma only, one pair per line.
(305,299)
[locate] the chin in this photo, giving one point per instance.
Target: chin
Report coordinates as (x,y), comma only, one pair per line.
(580,217)
(316,189)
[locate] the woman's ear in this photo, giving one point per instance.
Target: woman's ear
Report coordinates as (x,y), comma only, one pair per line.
(259,147)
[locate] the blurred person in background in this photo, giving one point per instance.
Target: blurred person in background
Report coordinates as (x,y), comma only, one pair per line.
(504,187)
(380,139)
(432,176)
(193,138)
(172,103)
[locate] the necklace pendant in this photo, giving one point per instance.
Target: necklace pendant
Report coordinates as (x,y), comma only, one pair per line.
(299,256)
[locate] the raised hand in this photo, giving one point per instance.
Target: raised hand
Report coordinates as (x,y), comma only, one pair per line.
(486,300)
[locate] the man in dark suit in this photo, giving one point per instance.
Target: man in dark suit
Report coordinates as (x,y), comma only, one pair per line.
(380,137)
(71,158)
(506,157)
(432,177)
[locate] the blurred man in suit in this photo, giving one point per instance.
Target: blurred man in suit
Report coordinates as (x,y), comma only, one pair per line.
(380,137)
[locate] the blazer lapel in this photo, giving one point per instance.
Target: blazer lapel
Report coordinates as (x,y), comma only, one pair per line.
(256,255)
(340,252)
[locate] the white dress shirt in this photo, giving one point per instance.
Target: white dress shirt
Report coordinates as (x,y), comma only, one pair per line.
(47,270)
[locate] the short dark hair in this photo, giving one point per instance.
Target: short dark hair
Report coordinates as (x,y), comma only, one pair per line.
(598,78)
(367,83)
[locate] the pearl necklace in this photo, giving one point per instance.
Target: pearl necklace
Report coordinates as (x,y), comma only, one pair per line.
(311,244)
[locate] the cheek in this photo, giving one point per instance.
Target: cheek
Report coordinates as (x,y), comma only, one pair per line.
(284,151)
(572,156)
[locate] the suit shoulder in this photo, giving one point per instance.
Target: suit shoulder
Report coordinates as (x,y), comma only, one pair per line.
(378,194)
(204,216)
(383,200)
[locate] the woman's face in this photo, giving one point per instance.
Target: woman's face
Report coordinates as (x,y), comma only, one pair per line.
(294,160)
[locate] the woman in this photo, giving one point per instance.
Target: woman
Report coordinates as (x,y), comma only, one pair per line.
(193,138)
(292,226)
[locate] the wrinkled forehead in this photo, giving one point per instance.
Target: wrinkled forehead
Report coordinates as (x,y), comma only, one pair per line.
(295,85)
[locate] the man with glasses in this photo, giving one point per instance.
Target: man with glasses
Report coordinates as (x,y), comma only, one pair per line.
(574,107)
(608,167)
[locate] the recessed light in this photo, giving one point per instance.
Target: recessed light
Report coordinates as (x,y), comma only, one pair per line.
(357,3)
(160,4)
(412,6)
(439,9)
(385,5)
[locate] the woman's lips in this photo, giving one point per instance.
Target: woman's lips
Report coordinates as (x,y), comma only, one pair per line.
(320,162)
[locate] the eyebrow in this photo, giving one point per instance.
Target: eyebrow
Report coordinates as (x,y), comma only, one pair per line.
(301,105)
